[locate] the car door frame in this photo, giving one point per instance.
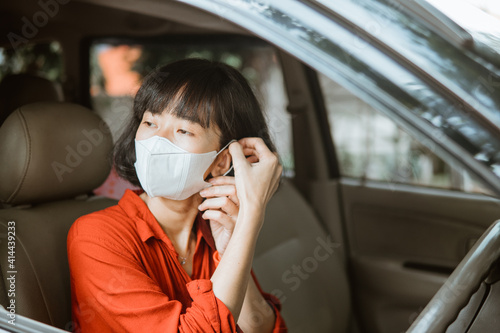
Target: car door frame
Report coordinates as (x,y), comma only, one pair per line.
(290,26)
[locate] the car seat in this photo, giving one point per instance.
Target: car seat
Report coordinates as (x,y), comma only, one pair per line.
(297,261)
(20,89)
(53,154)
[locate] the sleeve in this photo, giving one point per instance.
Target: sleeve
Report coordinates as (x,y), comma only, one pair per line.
(112,293)
(279,324)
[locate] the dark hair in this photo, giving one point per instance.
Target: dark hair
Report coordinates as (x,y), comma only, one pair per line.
(201,91)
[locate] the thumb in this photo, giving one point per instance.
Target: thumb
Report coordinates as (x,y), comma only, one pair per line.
(236,151)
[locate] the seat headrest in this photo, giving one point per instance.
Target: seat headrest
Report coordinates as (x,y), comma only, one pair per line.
(50,151)
(20,89)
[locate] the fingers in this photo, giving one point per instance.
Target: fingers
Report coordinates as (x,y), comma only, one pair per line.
(221,190)
(236,151)
(252,159)
(217,216)
(254,149)
(220,203)
(222,180)
(218,191)
(254,146)
(256,175)
(253,143)
(220,209)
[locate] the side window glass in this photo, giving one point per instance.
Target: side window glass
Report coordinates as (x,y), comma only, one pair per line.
(371,146)
(28,74)
(42,59)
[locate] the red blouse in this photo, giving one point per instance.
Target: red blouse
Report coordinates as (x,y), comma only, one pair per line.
(125,276)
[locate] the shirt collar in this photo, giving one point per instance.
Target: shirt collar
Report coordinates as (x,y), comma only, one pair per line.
(148,227)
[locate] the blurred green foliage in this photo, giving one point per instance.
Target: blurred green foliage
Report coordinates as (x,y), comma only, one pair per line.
(43,59)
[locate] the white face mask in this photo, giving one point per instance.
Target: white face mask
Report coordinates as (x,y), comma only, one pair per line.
(166,170)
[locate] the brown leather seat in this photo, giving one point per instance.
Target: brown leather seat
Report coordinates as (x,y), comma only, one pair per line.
(52,155)
(17,90)
(297,261)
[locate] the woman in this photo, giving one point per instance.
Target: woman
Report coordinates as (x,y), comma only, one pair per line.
(177,256)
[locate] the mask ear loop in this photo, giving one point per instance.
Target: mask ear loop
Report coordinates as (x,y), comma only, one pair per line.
(231,168)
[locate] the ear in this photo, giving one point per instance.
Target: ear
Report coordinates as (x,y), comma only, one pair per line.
(221,164)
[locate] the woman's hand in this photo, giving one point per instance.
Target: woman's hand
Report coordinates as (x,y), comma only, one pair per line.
(257,177)
(221,209)
(257,173)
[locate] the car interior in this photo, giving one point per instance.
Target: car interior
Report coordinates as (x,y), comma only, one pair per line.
(365,228)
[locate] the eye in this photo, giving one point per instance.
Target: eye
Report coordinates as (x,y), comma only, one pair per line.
(183,131)
(148,123)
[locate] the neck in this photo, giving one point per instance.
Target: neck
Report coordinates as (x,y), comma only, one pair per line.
(176,217)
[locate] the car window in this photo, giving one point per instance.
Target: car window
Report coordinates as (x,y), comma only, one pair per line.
(118,66)
(371,146)
(42,59)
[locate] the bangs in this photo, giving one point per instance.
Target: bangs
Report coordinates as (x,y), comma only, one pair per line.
(191,94)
